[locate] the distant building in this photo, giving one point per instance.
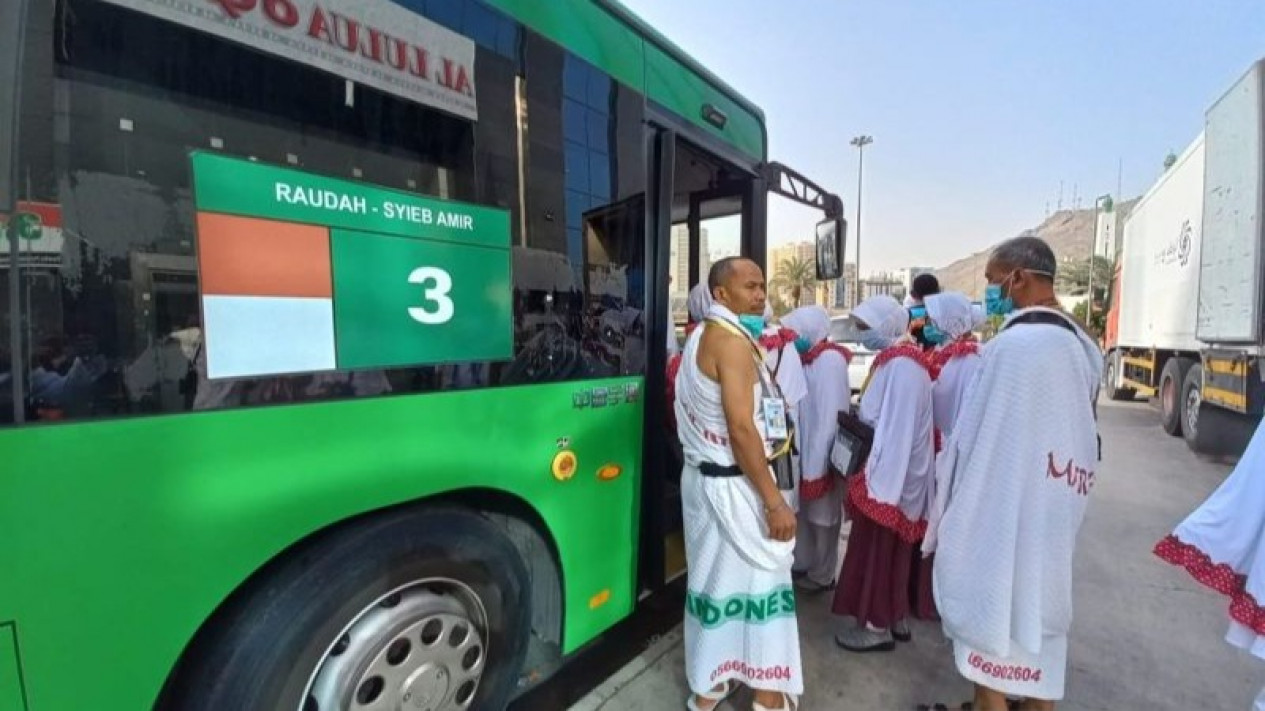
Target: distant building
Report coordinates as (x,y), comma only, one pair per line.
(907,275)
(1110,237)
(881,284)
(843,291)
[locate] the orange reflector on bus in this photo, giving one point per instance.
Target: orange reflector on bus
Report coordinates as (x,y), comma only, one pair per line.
(609,472)
(564,465)
(600,599)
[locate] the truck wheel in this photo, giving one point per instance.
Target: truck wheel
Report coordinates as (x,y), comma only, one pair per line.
(1172,394)
(1208,429)
(414,609)
(1191,404)
(1113,377)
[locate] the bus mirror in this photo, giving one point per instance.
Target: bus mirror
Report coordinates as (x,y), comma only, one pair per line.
(832,236)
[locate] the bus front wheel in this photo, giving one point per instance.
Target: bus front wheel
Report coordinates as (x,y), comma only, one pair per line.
(427,610)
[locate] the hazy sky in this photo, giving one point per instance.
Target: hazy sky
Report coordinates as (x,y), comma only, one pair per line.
(978,108)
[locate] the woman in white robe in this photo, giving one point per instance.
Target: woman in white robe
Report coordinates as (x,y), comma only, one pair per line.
(955,363)
(888,501)
(1222,545)
(820,488)
(956,358)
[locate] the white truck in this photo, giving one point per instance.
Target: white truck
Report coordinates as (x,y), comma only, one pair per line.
(1186,323)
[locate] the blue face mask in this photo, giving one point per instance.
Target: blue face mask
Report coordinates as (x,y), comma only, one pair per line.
(994,303)
(802,345)
(932,335)
(754,323)
(874,342)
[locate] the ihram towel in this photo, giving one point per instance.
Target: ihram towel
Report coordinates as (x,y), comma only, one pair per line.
(1222,545)
(1017,474)
(740,618)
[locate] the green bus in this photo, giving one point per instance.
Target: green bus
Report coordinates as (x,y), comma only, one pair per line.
(332,341)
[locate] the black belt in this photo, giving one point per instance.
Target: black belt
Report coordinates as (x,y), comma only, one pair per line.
(716,470)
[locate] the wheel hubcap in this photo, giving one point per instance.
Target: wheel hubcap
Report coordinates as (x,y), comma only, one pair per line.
(1193,400)
(422,647)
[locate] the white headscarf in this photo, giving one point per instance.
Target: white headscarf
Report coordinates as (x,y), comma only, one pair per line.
(884,315)
(699,302)
(811,322)
(768,312)
(978,316)
(951,312)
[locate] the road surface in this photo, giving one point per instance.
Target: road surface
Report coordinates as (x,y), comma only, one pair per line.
(1146,636)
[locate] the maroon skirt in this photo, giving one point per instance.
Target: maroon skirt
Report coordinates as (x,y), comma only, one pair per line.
(921,597)
(874,583)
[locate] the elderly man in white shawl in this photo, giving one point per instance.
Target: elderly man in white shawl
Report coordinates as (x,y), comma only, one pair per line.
(890,497)
(740,622)
(1222,545)
(1012,486)
(820,488)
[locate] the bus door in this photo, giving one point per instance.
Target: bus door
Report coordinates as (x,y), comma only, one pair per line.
(703,207)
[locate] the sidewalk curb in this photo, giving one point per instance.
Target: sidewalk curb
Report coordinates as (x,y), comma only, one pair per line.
(630,672)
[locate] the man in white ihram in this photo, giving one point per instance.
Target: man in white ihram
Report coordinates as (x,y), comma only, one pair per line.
(1012,485)
(740,623)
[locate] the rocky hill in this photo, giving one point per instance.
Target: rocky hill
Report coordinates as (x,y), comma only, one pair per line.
(1068,232)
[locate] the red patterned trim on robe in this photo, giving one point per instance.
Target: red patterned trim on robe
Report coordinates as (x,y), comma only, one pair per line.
(816,351)
(962,347)
(888,516)
(904,350)
(937,440)
(777,341)
(1220,577)
(813,489)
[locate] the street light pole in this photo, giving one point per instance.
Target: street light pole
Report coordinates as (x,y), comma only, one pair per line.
(860,142)
(1093,257)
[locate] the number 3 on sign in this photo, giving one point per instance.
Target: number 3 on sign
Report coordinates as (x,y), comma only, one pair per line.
(437,295)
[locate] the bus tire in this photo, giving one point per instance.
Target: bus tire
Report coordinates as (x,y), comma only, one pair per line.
(429,602)
(1112,378)
(1171,394)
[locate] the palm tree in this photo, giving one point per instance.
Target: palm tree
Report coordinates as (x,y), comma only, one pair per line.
(797,274)
(775,289)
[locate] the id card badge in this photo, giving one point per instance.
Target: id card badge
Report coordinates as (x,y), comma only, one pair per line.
(775,418)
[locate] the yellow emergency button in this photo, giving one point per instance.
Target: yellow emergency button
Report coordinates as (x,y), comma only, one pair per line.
(609,472)
(564,465)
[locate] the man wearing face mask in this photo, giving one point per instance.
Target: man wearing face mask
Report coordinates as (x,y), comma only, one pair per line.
(1013,483)
(889,498)
(739,529)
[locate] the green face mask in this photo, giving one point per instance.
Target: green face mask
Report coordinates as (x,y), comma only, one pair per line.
(754,323)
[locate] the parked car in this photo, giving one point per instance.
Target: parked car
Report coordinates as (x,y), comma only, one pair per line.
(843,331)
